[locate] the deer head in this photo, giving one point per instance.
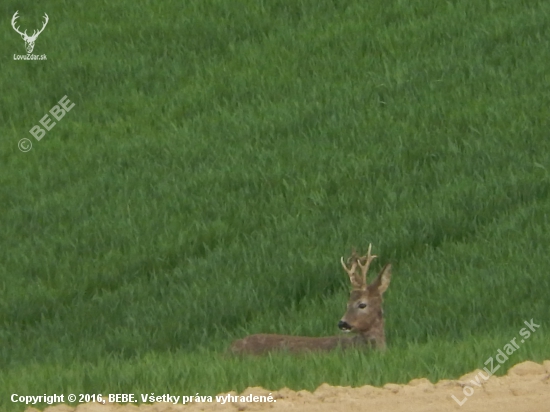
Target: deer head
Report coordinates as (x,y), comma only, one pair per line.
(29,40)
(364,313)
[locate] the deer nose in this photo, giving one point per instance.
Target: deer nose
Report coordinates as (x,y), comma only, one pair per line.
(344,325)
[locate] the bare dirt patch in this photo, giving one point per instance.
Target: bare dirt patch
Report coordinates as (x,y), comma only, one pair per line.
(525,388)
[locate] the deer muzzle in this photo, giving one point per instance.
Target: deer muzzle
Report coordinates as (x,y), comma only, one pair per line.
(344,326)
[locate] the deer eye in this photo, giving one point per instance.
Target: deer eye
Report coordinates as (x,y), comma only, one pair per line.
(362,305)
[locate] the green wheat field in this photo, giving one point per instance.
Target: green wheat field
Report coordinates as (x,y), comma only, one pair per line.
(223,154)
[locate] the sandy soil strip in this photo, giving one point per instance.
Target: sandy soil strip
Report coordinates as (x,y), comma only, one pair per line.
(526,388)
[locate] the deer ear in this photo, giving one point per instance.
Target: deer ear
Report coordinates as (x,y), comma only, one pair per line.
(383,280)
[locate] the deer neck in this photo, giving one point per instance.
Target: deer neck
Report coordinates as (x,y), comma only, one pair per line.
(375,335)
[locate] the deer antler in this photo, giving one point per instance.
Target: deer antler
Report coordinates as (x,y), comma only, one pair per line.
(365,268)
(351,271)
(46,20)
(15,17)
(35,32)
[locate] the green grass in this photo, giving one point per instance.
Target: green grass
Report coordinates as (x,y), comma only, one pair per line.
(221,157)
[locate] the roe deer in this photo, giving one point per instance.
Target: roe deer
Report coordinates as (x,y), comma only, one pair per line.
(364,316)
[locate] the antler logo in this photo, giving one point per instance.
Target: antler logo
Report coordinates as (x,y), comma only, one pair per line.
(29,40)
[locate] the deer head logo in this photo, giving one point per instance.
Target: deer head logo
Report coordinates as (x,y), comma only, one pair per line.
(29,40)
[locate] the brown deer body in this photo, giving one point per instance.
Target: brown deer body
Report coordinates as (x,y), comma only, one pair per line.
(364,317)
